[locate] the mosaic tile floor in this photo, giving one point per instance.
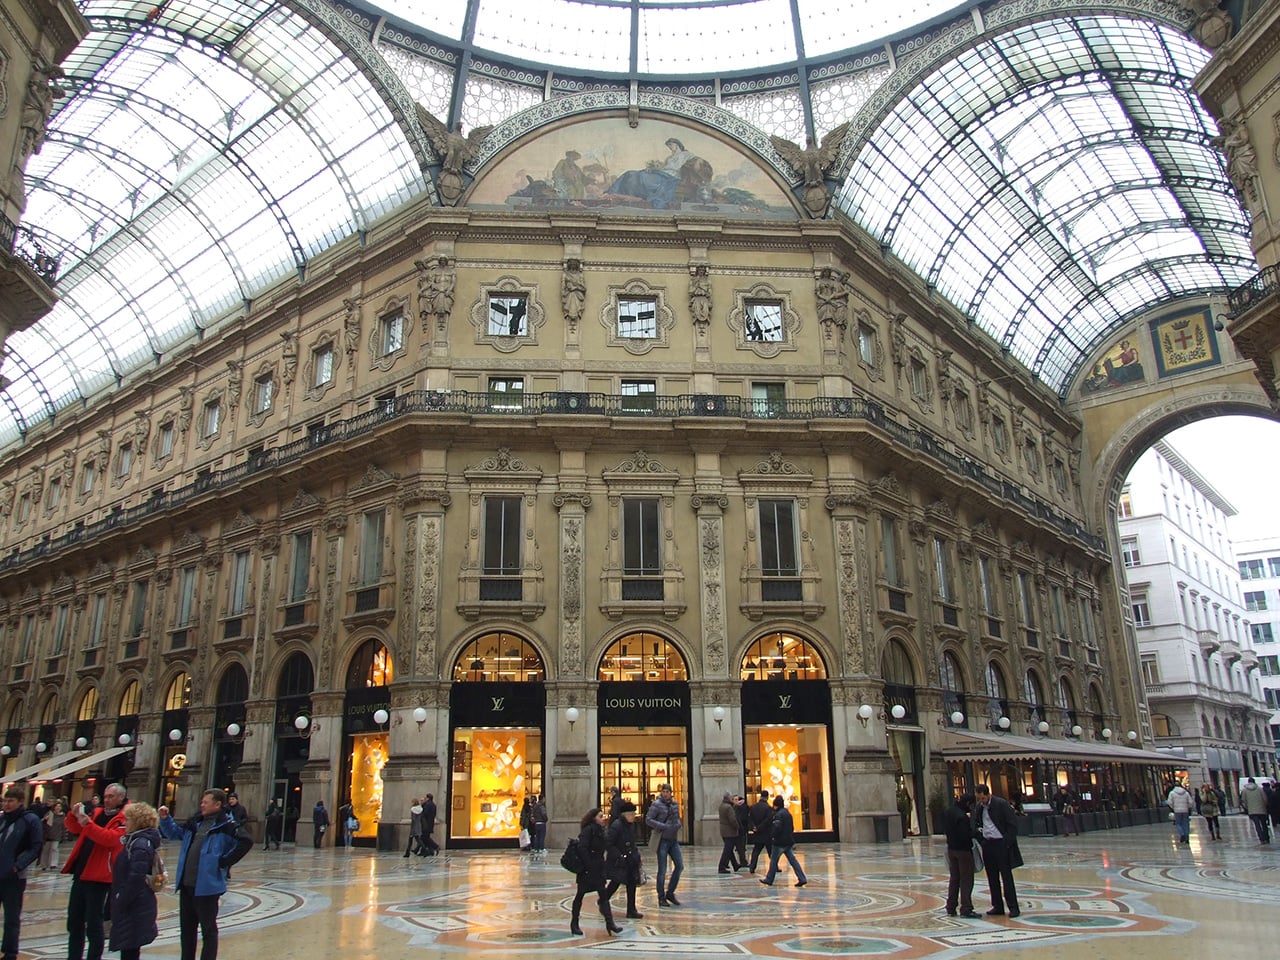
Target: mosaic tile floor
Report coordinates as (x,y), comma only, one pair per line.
(1128,894)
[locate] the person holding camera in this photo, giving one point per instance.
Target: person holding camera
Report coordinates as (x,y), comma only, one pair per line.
(97,831)
(212,843)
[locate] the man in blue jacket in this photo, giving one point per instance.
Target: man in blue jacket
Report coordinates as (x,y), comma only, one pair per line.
(21,835)
(212,843)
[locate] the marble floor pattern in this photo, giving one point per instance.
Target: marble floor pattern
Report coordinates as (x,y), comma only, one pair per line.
(1126,894)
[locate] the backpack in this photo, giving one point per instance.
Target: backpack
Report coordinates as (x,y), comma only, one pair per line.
(572,859)
(157,876)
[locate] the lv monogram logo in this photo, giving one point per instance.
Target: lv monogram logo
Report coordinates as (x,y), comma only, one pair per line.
(784,701)
(497,703)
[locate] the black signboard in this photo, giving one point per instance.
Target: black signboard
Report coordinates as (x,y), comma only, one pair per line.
(289,709)
(175,720)
(497,704)
(660,703)
(786,701)
(360,706)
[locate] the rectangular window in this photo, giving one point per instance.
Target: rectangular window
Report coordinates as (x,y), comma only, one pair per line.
(1251,570)
(506,393)
(263,388)
(1126,504)
(639,395)
(97,619)
(60,630)
(799,756)
(889,550)
(138,617)
(778,541)
(1273,564)
(165,446)
(1262,633)
(300,572)
(1270,665)
(1086,622)
(239,583)
(1059,475)
(186,597)
(963,410)
(638,319)
(371,534)
(866,345)
(641,537)
(55,493)
(1026,600)
(24,508)
(1141,610)
(322,360)
(942,569)
(768,399)
(1150,671)
(1256,600)
(999,436)
(919,379)
(1059,611)
(763,322)
(508,315)
(212,418)
(88,475)
(501,536)
(28,637)
(986,569)
(392,333)
(125,462)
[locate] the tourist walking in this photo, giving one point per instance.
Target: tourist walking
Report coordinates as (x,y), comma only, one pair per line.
(97,832)
(958,827)
(592,847)
(761,817)
(274,819)
(663,819)
(54,830)
(21,837)
(1254,802)
(622,860)
(212,842)
(1180,803)
(133,900)
(728,835)
(319,823)
(744,827)
(1210,810)
(429,825)
(348,823)
(538,831)
(1273,805)
(783,836)
(997,822)
(415,831)
(1065,805)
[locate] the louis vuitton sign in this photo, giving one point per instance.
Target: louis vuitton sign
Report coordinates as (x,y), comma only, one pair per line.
(786,701)
(663,703)
(497,704)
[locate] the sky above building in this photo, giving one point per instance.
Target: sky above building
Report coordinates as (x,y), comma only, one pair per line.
(1240,456)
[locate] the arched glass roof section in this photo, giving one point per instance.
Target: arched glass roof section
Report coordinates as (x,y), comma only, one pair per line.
(1055,181)
(663,37)
(205,149)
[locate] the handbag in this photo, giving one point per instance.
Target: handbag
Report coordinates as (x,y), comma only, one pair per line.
(978,863)
(352,824)
(525,841)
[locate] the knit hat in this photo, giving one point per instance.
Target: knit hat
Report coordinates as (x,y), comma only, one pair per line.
(627,807)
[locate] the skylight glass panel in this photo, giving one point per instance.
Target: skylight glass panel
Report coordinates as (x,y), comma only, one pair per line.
(261,250)
(317,211)
(1121,43)
(831,25)
(712,39)
(211,282)
(444,17)
(582,36)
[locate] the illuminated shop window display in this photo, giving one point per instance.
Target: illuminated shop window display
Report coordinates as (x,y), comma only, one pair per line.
(369,753)
(493,771)
(792,762)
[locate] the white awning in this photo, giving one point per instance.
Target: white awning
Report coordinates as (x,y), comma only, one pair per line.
(972,745)
(82,763)
(48,763)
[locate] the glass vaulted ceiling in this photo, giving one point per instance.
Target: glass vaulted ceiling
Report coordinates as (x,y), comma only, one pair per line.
(1055,182)
(206,148)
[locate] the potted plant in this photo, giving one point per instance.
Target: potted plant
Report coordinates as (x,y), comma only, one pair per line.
(939,800)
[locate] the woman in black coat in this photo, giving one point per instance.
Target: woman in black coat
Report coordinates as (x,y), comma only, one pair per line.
(133,902)
(622,864)
(591,847)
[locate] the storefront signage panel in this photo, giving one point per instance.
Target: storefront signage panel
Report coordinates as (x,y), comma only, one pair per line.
(359,707)
(786,701)
(497,704)
(661,703)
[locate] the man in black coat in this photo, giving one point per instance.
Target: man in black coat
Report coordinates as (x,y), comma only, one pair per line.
(959,830)
(21,836)
(997,823)
(431,848)
(761,818)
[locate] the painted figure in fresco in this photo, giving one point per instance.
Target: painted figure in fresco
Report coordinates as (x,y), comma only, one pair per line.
(664,183)
(1116,369)
(568,179)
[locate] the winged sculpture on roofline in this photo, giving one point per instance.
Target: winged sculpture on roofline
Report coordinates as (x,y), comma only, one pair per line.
(454,151)
(812,161)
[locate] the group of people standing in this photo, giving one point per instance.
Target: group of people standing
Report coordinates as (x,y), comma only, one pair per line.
(116,870)
(979,824)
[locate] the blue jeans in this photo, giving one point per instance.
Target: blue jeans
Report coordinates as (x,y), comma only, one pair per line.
(538,836)
(1183,822)
(669,848)
(790,853)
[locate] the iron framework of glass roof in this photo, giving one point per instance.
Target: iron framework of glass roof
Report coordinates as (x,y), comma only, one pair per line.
(1052,181)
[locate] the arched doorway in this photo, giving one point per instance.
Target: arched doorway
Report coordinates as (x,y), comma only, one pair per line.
(906,738)
(786,718)
(497,711)
(118,767)
(229,731)
(173,732)
(366,743)
(644,711)
(293,728)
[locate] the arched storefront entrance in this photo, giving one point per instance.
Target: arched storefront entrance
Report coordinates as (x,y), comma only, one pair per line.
(497,711)
(293,736)
(173,753)
(786,730)
(365,742)
(229,730)
(906,738)
(644,711)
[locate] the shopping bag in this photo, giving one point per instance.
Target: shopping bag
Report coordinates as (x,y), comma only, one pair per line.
(524,840)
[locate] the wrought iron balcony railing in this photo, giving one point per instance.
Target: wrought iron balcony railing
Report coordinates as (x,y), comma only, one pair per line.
(1263,284)
(21,243)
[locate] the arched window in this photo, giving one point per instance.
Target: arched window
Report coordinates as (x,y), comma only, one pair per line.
(900,682)
(233,687)
(179,695)
(1035,697)
(499,656)
(49,715)
(298,678)
(370,666)
(997,692)
(953,693)
(88,708)
(642,656)
(1217,727)
(1226,729)
(1204,725)
(781,656)
(1095,709)
(1164,726)
(131,699)
(15,714)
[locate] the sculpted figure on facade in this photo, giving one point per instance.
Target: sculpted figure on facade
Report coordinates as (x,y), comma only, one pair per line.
(436,300)
(1242,158)
(235,381)
(290,356)
(833,299)
(186,404)
(573,291)
(42,90)
(454,151)
(350,326)
(699,295)
(812,162)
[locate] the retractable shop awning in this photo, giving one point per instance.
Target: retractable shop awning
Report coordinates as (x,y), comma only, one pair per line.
(48,763)
(972,745)
(82,763)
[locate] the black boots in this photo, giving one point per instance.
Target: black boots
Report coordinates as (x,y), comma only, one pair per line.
(606,911)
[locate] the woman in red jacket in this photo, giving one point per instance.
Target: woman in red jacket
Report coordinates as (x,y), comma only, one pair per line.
(90,863)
